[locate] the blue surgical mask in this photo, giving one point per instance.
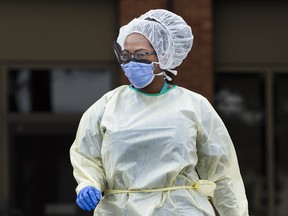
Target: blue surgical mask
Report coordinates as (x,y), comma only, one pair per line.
(140,74)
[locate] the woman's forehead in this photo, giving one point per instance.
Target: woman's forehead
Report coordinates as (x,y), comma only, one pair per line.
(137,41)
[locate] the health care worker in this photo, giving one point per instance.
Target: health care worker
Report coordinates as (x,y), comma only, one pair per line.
(152,148)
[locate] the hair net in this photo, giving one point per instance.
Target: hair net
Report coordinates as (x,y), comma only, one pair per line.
(168,33)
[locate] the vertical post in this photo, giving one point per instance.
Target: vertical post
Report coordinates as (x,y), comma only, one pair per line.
(270,143)
(3,141)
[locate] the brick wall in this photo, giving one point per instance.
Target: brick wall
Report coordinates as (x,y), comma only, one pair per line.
(195,73)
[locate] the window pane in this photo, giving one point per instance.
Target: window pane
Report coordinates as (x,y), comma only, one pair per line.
(239,100)
(76,90)
(56,90)
(281,141)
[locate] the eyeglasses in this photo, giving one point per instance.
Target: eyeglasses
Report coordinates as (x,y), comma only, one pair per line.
(124,56)
(138,55)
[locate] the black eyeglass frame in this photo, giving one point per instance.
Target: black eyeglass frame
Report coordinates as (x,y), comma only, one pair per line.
(135,55)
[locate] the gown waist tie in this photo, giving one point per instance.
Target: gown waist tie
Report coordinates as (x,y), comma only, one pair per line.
(204,187)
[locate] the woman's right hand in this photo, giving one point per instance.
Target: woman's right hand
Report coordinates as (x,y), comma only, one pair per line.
(88,198)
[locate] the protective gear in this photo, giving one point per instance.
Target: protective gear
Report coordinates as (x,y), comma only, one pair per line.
(88,198)
(140,74)
(129,140)
(168,33)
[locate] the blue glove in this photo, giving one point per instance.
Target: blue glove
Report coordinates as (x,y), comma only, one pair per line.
(88,198)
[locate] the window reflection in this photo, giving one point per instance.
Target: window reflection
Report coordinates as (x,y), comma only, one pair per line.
(20,90)
(232,105)
(239,100)
(76,90)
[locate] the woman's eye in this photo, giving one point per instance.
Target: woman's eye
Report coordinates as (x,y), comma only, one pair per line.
(140,55)
(125,56)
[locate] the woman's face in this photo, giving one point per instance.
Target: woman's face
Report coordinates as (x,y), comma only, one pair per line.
(137,42)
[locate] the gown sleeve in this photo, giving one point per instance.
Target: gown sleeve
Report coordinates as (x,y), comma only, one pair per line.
(85,152)
(217,162)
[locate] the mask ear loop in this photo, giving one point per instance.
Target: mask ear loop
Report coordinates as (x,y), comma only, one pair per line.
(165,74)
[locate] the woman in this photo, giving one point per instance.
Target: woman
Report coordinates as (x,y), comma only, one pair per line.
(152,148)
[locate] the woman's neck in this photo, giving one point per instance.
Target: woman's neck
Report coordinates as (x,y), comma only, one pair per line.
(155,87)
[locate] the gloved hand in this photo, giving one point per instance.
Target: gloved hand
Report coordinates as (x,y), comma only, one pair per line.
(88,198)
